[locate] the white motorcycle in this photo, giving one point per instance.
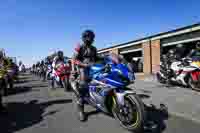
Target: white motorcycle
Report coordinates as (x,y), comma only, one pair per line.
(185,72)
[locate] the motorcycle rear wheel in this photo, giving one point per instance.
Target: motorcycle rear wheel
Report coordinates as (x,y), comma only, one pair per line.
(132,115)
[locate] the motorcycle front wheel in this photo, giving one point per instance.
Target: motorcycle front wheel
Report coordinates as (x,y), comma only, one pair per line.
(193,85)
(131,115)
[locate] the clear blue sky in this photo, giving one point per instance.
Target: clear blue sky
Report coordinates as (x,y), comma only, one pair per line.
(30,29)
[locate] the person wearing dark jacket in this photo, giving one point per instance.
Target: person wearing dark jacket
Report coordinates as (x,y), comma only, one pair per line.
(195,53)
(87,55)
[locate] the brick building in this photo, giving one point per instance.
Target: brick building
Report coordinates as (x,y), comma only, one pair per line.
(149,49)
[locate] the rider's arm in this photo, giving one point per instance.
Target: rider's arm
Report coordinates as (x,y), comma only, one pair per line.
(98,57)
(77,56)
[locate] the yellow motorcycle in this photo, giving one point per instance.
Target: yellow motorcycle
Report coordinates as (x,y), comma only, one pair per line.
(3,82)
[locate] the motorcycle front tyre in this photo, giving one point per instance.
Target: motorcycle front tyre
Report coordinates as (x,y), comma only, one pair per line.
(135,101)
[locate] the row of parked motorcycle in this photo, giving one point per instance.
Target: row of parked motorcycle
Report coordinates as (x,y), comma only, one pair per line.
(184,71)
(57,77)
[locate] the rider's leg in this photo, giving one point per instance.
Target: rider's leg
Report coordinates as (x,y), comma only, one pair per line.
(82,89)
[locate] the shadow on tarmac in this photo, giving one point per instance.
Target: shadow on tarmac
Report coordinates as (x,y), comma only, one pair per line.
(155,118)
(19,90)
(22,115)
(23,89)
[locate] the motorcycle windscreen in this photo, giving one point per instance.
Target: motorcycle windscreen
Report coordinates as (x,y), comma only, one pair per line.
(95,69)
(114,59)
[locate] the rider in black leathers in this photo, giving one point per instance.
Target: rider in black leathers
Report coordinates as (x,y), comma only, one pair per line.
(37,68)
(180,51)
(87,55)
(195,53)
(42,71)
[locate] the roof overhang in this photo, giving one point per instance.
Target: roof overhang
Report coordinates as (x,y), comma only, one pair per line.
(180,31)
(130,51)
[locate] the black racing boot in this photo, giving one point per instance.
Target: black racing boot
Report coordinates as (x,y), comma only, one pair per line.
(80,108)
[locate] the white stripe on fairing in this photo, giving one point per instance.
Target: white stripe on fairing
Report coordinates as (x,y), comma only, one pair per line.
(96,68)
(104,84)
(114,81)
(117,70)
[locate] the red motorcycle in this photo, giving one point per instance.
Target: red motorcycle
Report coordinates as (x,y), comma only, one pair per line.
(62,74)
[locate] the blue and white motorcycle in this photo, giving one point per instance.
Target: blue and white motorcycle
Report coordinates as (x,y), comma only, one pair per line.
(108,92)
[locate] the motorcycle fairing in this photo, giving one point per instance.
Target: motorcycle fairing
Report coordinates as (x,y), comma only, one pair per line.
(196,75)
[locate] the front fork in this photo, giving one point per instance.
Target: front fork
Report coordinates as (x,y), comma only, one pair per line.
(119,98)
